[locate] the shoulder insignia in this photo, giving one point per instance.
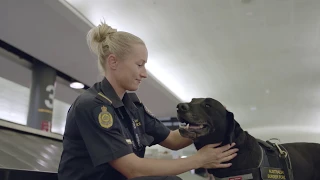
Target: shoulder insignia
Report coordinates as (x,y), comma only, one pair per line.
(105,118)
(148,111)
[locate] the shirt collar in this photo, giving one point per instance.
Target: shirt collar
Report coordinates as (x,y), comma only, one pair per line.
(110,93)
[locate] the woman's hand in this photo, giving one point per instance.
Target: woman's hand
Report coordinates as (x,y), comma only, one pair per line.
(211,157)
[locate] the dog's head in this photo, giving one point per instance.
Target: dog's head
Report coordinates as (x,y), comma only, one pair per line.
(200,117)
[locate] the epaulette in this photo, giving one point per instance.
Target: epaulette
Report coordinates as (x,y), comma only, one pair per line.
(103,98)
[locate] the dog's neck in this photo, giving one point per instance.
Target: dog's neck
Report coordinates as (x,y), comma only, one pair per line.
(249,150)
(227,133)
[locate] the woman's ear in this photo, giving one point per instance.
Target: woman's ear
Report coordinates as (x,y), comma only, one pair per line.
(112,62)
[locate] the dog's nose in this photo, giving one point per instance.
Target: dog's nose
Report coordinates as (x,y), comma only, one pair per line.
(183,107)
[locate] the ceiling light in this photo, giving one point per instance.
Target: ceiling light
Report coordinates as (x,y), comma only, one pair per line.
(183,156)
(76,85)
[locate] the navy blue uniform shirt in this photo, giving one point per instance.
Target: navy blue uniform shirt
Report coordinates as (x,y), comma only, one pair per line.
(100,128)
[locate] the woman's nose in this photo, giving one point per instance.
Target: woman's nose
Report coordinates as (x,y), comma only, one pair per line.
(144,73)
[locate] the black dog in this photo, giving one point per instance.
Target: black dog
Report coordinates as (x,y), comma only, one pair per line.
(208,121)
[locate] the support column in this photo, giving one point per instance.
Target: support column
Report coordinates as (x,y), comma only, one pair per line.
(42,94)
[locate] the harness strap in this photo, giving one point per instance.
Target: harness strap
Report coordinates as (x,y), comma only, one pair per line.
(284,160)
(287,166)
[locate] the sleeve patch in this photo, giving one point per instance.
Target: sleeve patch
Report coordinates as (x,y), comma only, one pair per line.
(105,118)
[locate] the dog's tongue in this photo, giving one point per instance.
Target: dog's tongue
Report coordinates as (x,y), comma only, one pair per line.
(195,127)
(190,126)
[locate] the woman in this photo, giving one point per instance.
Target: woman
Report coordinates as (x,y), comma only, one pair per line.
(107,129)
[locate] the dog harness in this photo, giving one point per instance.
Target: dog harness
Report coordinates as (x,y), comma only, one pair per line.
(275,164)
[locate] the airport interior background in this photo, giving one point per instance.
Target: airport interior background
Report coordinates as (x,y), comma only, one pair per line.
(260,58)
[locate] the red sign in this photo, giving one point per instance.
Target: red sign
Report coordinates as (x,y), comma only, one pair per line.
(46,126)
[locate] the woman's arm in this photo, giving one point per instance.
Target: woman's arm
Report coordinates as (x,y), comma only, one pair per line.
(132,166)
(175,141)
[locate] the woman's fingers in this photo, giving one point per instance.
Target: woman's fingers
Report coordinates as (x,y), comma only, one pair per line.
(223,165)
(220,163)
(213,145)
(226,147)
(228,158)
(229,152)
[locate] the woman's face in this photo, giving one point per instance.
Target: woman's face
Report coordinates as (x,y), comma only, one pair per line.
(132,70)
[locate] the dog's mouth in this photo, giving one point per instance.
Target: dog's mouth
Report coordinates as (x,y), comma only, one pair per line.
(191,126)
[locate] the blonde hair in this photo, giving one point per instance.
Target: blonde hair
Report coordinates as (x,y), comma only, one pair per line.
(103,40)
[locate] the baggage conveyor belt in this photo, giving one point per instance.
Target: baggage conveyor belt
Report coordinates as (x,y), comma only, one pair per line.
(25,151)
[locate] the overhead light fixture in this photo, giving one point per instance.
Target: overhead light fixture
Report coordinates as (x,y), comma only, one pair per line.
(183,156)
(253,108)
(76,85)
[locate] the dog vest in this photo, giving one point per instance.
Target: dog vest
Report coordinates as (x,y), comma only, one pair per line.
(275,165)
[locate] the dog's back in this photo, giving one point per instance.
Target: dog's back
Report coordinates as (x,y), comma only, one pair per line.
(305,159)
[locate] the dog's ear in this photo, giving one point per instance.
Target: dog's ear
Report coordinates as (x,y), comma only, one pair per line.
(230,128)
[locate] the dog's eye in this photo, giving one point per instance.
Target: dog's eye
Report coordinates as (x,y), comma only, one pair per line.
(207,105)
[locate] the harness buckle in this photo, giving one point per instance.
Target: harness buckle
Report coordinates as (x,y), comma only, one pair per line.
(283,154)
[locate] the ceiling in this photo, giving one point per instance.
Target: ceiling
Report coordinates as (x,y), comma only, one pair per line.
(258,57)
(55,35)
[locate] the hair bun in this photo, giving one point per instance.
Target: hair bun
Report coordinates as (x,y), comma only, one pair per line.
(97,36)
(102,32)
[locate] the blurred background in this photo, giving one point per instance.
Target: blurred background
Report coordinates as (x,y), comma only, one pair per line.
(260,58)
